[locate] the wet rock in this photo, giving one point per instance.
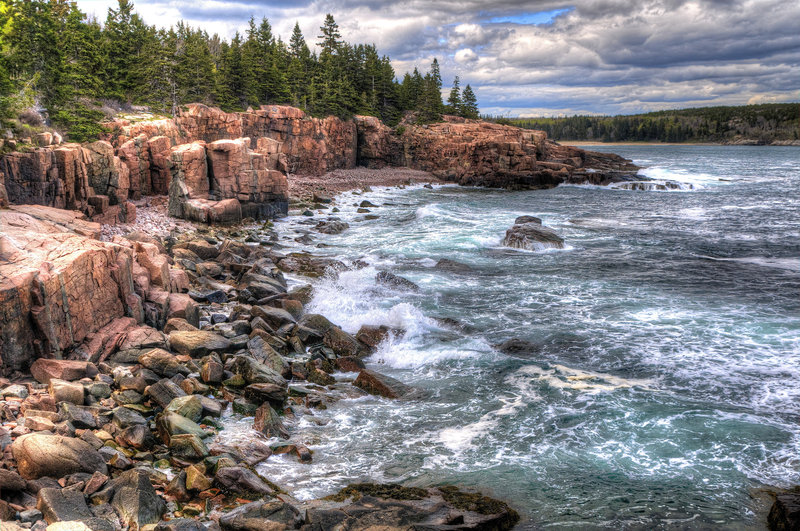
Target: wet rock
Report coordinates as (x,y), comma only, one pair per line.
(268,422)
(188,446)
(265,354)
(272,514)
(342,343)
(170,424)
(124,417)
(189,407)
(445,264)
(785,512)
(274,317)
(516,346)
(78,416)
(180,524)
(527,219)
(203,249)
(62,505)
(381,385)
(198,343)
(196,480)
(532,236)
(240,480)
(40,455)
(255,372)
(390,279)
(349,364)
(267,392)
(372,336)
(331,227)
(367,506)
(212,372)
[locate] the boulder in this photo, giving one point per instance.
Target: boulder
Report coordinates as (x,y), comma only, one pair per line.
(785,512)
(263,514)
(390,279)
(381,385)
(240,480)
(268,422)
(45,369)
(63,391)
(62,505)
(162,363)
(40,455)
(198,343)
(134,498)
(533,237)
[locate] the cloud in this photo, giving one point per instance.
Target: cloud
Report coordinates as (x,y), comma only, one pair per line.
(547,56)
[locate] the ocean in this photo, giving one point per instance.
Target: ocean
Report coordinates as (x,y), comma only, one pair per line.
(657,383)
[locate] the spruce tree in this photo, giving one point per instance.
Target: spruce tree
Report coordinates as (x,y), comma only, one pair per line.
(454,100)
(469,104)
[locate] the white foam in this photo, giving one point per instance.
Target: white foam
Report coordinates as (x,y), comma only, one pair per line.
(562,377)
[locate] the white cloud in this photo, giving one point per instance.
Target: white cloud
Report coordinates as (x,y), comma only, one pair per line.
(602,56)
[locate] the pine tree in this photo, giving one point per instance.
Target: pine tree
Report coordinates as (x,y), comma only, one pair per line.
(454,100)
(124,33)
(330,40)
(469,104)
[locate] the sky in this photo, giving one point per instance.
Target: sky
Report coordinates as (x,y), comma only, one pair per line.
(547,57)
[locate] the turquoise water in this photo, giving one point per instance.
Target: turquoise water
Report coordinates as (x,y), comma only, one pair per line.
(661,384)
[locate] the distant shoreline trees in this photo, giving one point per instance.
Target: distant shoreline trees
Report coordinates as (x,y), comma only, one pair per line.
(78,68)
(764,123)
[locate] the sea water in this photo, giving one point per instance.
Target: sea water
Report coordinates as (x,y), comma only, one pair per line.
(660,383)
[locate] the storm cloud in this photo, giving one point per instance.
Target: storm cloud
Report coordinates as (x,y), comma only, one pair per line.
(530,58)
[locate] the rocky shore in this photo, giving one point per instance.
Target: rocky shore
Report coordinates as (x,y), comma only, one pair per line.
(138,348)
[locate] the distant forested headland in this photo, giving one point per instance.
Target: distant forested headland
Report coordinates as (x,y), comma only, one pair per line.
(767,123)
(54,58)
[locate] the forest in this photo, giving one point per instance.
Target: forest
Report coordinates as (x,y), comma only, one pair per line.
(79,70)
(761,124)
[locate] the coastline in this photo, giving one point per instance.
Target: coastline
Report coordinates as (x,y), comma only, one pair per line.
(582,143)
(304,187)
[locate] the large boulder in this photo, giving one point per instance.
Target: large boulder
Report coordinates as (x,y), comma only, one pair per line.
(134,498)
(40,455)
(533,237)
(381,385)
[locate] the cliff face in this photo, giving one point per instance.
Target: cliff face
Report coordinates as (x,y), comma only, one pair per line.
(221,167)
(60,286)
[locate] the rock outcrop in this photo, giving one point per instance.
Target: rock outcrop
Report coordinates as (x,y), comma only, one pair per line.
(60,285)
(529,233)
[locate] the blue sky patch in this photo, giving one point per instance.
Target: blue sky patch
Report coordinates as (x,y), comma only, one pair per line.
(539,17)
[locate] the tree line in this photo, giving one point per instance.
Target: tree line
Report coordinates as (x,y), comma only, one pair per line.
(764,123)
(77,68)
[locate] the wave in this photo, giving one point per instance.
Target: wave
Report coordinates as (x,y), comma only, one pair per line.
(563,377)
(788,264)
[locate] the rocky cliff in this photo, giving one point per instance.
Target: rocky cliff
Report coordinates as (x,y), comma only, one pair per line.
(221,167)
(60,286)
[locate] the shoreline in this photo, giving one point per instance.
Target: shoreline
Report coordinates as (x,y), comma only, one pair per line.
(304,187)
(581,143)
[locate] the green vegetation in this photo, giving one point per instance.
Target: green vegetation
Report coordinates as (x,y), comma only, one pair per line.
(53,57)
(761,124)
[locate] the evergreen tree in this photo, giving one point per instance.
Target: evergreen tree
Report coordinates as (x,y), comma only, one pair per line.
(469,104)
(454,100)
(124,34)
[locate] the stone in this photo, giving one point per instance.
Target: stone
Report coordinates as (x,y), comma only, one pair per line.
(268,422)
(445,264)
(124,417)
(62,505)
(349,364)
(164,391)
(134,498)
(169,424)
(78,416)
(196,479)
(46,369)
(162,363)
(240,480)
(136,436)
(188,446)
(274,317)
(40,455)
(16,391)
(212,372)
(267,392)
(39,424)
(262,515)
(785,512)
(398,282)
(331,227)
(11,481)
(198,343)
(372,336)
(254,372)
(189,407)
(63,391)
(180,524)
(533,237)
(527,219)
(381,385)
(342,343)
(264,353)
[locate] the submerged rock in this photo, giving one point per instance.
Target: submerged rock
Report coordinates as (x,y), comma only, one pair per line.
(381,385)
(390,279)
